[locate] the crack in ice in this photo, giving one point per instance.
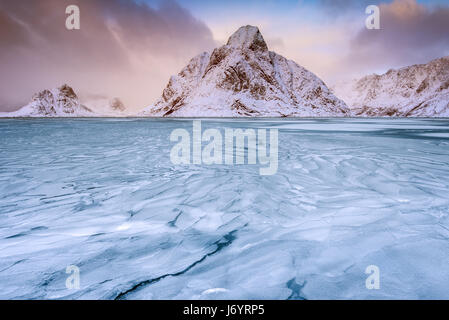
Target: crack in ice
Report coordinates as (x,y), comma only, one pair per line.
(229,238)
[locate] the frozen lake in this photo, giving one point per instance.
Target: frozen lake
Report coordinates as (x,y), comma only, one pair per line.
(102,195)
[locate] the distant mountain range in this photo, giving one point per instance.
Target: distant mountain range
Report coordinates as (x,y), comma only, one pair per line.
(244,79)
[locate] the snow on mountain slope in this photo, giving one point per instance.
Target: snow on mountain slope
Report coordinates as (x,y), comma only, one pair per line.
(243,78)
(60,102)
(414,91)
(63,102)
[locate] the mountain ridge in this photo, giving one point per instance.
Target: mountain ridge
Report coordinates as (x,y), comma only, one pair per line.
(243,78)
(420,90)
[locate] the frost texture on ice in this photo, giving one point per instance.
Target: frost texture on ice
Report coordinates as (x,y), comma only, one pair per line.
(103,195)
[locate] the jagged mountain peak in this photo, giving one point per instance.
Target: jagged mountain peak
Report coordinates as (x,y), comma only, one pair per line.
(58,102)
(248,37)
(243,78)
(67,91)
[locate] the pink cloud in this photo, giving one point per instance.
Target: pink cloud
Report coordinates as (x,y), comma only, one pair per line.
(123,48)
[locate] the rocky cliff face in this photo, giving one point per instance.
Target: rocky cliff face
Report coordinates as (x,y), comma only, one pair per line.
(414,91)
(60,102)
(243,78)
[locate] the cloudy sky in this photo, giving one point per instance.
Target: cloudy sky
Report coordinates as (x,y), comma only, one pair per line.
(129,49)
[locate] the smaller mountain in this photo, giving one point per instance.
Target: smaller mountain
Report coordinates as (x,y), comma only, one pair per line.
(59,102)
(64,102)
(117,105)
(104,106)
(415,91)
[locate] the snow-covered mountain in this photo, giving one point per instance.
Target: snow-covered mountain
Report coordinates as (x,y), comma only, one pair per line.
(414,91)
(244,78)
(59,102)
(63,102)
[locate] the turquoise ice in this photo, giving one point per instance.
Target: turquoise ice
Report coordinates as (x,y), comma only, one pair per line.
(102,195)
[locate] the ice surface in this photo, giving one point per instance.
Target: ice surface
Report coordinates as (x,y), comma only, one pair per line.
(103,195)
